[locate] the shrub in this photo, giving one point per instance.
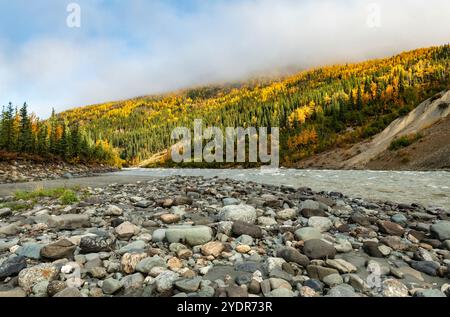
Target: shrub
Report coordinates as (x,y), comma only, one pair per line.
(68,197)
(404,141)
(443,106)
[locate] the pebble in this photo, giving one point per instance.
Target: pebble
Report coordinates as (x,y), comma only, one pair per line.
(190,236)
(58,250)
(31,276)
(308,233)
(239,228)
(241,212)
(293,255)
(322,224)
(319,249)
(394,288)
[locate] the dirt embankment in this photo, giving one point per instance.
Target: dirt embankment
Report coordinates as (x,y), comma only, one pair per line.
(431,120)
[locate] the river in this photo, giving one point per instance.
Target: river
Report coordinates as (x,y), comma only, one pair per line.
(427,188)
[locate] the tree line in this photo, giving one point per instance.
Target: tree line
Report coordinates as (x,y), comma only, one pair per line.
(24,133)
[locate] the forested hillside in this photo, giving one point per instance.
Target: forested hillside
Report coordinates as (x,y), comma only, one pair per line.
(24,135)
(316,110)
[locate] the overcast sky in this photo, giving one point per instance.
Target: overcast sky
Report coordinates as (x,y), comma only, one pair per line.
(130,48)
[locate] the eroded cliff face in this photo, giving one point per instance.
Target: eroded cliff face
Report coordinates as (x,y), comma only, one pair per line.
(432,151)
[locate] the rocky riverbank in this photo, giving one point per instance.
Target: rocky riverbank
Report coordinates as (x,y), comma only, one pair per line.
(186,236)
(18,171)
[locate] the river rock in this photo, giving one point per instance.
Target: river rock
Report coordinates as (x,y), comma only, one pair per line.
(308,233)
(133,282)
(333,280)
(267,221)
(71,221)
(341,265)
(429,293)
(372,249)
(427,267)
(399,219)
(30,250)
(54,287)
(360,219)
(130,261)
(69,292)
(239,228)
(94,244)
(319,249)
(170,218)
(308,213)
(292,255)
(322,224)
(230,201)
(113,210)
(394,288)
(195,235)
(441,230)
(6,244)
(9,230)
(147,264)
(165,281)
(243,248)
(279,283)
(5,212)
(12,266)
(391,228)
(58,250)
(111,286)
(342,290)
(126,230)
(159,235)
(319,272)
(281,292)
(182,201)
(135,246)
(188,285)
(287,214)
(309,204)
(42,272)
(245,213)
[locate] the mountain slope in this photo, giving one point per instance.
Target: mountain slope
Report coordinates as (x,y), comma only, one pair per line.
(418,141)
(317,110)
(425,115)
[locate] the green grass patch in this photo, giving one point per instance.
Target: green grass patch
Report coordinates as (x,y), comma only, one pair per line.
(404,141)
(68,197)
(65,195)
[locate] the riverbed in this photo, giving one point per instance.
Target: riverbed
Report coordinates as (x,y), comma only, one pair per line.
(431,189)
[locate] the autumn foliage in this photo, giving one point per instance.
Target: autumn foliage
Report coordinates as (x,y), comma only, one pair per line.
(316,109)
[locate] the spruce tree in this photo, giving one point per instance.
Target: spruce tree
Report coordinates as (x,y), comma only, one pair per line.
(53,146)
(6,133)
(25,140)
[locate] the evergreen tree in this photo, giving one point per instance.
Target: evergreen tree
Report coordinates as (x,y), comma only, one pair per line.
(53,146)
(7,128)
(25,141)
(42,145)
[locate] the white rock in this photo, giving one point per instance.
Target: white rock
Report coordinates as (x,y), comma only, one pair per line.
(322,224)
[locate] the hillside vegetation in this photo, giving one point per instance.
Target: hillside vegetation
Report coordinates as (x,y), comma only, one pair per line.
(318,109)
(24,136)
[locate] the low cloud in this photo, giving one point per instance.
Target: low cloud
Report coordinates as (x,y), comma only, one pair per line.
(144,47)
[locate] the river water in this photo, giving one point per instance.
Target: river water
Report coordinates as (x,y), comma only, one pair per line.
(426,188)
